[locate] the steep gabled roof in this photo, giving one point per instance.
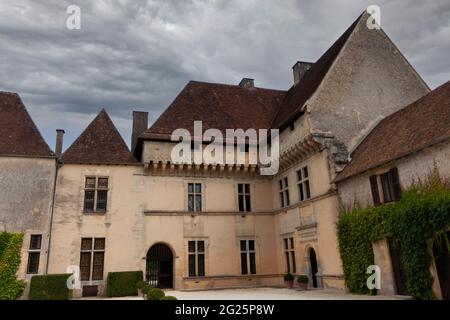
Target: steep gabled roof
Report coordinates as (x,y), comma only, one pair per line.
(100,143)
(417,126)
(298,94)
(218,106)
(227,106)
(19,135)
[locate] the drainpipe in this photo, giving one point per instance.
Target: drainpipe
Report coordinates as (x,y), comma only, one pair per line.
(58,151)
(51,216)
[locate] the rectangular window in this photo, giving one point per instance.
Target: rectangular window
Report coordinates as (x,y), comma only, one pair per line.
(283,186)
(289,253)
(248,258)
(34,253)
(244,197)
(385,187)
(92,258)
(196,253)
(303,184)
(194,197)
(95,194)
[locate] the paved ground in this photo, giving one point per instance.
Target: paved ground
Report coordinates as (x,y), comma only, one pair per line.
(267,294)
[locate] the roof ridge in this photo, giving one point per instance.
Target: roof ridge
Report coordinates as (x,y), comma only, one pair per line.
(313,77)
(233,85)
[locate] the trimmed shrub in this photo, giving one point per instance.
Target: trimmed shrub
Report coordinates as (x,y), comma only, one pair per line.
(121,284)
(10,245)
(145,289)
(50,287)
(141,284)
(155,294)
(168,298)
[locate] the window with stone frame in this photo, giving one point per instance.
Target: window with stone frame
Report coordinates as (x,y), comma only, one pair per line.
(194,197)
(289,253)
(248,256)
(304,189)
(244,197)
(196,258)
(96,194)
(34,254)
(385,187)
(283,186)
(92,258)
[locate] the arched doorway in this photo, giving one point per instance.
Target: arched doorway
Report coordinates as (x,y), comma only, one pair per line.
(160,266)
(442,261)
(313,266)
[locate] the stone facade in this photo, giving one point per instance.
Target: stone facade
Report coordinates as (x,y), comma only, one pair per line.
(147,200)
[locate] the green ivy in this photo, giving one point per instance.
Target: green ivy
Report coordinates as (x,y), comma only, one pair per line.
(420,216)
(10,245)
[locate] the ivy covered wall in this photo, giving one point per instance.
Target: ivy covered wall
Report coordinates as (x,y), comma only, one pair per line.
(419,217)
(10,245)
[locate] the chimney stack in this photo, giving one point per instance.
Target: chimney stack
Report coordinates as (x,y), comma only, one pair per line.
(299,69)
(140,124)
(247,83)
(59,142)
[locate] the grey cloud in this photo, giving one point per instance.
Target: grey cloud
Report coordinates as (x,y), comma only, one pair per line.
(139,54)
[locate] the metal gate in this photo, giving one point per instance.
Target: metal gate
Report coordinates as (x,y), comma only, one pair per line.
(160,266)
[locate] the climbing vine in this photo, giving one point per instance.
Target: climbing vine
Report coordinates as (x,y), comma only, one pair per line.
(420,216)
(10,245)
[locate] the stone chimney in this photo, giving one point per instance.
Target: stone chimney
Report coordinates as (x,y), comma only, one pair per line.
(140,124)
(59,142)
(299,69)
(247,83)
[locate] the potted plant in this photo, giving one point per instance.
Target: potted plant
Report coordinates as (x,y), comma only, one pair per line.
(303,281)
(141,284)
(289,280)
(145,289)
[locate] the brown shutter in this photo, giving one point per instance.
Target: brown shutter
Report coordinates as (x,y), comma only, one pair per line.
(374,188)
(395,181)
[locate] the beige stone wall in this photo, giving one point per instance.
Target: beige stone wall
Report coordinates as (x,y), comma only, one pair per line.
(369,80)
(144,210)
(311,223)
(411,168)
(26,186)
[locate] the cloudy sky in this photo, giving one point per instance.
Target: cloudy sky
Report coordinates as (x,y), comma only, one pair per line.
(137,55)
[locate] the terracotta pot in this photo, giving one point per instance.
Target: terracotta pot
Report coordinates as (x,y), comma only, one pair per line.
(289,284)
(139,293)
(303,285)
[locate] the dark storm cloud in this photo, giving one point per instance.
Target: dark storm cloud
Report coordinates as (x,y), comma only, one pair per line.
(137,55)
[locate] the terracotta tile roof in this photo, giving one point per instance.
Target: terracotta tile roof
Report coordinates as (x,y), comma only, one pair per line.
(300,93)
(227,106)
(100,143)
(419,125)
(19,135)
(218,106)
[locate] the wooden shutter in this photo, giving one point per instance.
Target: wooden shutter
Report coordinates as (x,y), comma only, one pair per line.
(395,182)
(374,188)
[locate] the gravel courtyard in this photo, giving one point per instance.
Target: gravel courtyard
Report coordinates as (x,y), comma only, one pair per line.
(267,294)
